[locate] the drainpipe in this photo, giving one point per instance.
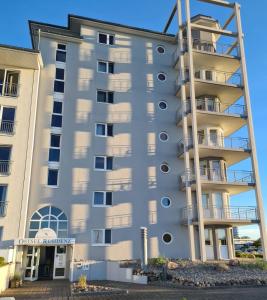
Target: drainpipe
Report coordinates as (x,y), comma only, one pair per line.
(144,247)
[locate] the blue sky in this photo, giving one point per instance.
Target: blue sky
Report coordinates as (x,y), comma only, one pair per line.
(152,14)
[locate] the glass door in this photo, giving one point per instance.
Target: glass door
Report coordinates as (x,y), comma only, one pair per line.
(215,170)
(60,262)
(218,206)
(209,243)
(32,263)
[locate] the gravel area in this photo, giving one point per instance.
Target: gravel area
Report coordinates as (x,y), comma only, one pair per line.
(209,274)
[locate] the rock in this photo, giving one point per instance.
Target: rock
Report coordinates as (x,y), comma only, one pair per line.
(234,262)
(172,265)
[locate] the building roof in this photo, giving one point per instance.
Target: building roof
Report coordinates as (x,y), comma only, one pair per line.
(72,30)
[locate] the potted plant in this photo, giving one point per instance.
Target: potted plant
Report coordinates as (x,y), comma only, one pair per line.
(16,281)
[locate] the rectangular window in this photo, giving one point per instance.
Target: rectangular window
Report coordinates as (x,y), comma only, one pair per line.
(61,53)
(102,199)
(3,203)
(56,119)
(52,177)
(1,233)
(105,67)
(101,237)
(60,73)
(104,130)
(7,120)
(54,150)
(59,86)
(104,38)
(105,96)
(103,163)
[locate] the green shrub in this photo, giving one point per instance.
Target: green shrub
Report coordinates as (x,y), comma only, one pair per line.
(2,260)
(82,281)
(257,264)
(159,261)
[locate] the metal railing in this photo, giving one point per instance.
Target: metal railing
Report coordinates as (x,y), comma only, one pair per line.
(218,175)
(3,208)
(240,213)
(210,47)
(216,141)
(212,106)
(9,89)
(7,127)
(211,76)
(5,167)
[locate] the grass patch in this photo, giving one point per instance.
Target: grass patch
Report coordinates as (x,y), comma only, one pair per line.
(257,264)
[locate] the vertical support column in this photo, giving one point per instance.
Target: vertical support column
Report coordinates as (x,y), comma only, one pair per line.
(230,243)
(188,191)
(251,132)
(194,134)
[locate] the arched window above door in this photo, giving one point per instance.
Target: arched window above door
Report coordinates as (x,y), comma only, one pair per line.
(49,217)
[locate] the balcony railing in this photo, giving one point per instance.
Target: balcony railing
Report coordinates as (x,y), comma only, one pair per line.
(3,208)
(210,47)
(212,76)
(5,167)
(7,127)
(211,106)
(216,141)
(9,89)
(218,175)
(235,213)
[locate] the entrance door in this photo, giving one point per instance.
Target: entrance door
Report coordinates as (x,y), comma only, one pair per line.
(46,262)
(32,263)
(60,262)
(209,244)
(222,243)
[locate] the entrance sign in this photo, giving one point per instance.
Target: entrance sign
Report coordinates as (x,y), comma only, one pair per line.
(45,242)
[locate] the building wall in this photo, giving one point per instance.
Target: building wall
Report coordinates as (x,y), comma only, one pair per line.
(21,141)
(136,180)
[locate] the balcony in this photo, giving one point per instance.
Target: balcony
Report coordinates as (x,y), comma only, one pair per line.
(3,208)
(230,117)
(232,215)
(9,89)
(232,181)
(227,86)
(5,166)
(214,54)
(232,149)
(7,127)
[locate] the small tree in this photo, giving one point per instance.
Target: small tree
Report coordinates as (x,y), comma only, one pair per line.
(257,243)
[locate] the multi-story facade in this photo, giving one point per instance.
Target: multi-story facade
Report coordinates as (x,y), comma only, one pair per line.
(131,128)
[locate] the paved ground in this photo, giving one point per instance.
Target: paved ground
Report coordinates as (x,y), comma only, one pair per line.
(59,290)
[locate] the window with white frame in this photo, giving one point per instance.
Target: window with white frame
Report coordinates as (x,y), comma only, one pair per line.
(105,38)
(54,150)
(56,120)
(105,66)
(103,129)
(103,162)
(59,84)
(105,96)
(49,217)
(52,177)
(101,237)
(102,198)
(61,53)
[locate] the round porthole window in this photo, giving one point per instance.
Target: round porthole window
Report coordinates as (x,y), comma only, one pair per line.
(163,136)
(163,105)
(167,238)
(164,168)
(161,77)
(161,49)
(166,202)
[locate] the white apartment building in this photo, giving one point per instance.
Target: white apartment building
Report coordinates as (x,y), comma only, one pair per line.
(107,128)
